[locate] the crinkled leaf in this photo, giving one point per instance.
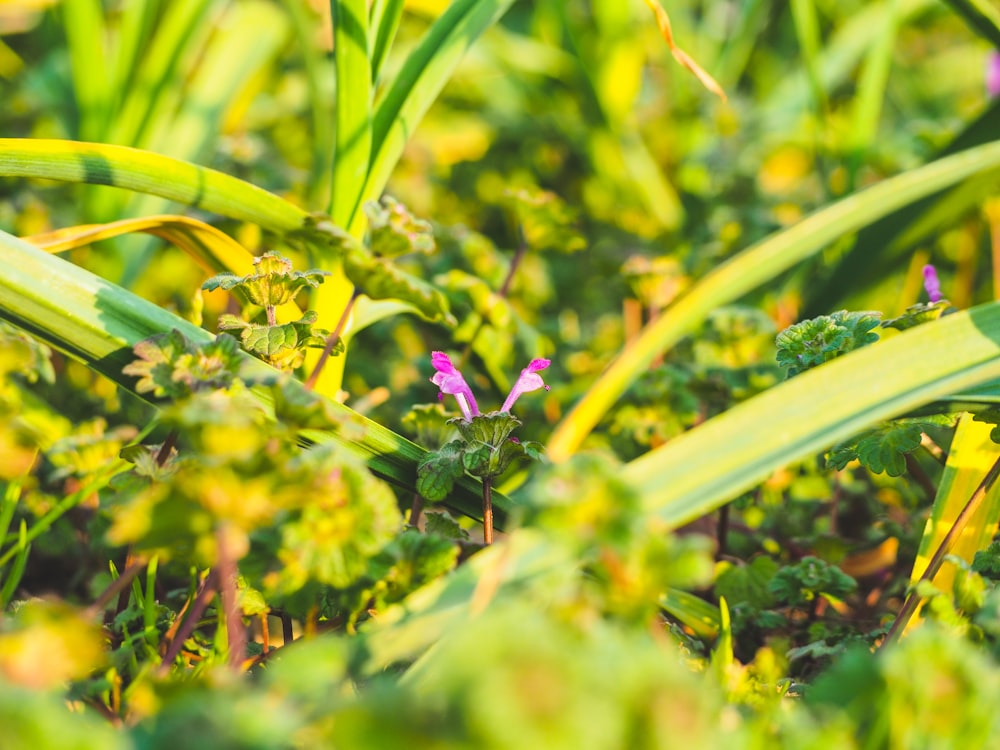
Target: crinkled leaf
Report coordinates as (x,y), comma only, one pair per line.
(394,231)
(169,366)
(273,282)
(418,559)
(880,449)
(491,460)
(379,278)
(492,429)
(437,473)
(798,585)
(280,345)
(818,340)
(443,525)
(748,584)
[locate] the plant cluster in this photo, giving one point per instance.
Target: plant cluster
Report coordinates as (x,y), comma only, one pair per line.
(708,511)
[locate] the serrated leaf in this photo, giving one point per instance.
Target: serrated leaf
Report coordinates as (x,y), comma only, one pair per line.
(443,525)
(881,449)
(273,283)
(394,231)
(437,473)
(813,342)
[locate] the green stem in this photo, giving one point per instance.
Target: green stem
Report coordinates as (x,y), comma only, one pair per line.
(331,341)
(914,598)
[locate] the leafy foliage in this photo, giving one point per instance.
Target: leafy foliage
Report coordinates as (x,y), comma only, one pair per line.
(883,448)
(813,342)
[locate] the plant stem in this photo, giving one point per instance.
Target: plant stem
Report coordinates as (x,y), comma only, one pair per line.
(331,341)
(488,510)
(913,598)
(235,634)
(205,594)
(120,584)
(416,509)
(168,445)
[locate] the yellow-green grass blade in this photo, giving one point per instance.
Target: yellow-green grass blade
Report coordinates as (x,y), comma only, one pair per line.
(982,16)
(353,133)
(755,266)
(806,23)
(420,80)
(871,89)
(98,323)
(94,86)
(210,248)
(970,457)
(715,462)
(384,22)
(146,172)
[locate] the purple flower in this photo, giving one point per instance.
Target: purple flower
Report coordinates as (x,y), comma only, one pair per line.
(529,380)
(993,74)
(932,285)
(450,381)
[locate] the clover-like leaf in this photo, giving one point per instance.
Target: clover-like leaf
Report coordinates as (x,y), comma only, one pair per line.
(437,473)
(882,448)
(394,231)
(818,340)
(273,283)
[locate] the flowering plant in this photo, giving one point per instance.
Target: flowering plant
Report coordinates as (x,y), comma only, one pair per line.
(486,446)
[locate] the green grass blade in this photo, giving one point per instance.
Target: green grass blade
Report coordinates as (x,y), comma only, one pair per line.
(807,31)
(385,17)
(13,578)
(136,23)
(871,90)
(158,66)
(703,618)
(98,323)
(420,80)
(146,172)
(754,266)
(713,463)
(86,37)
(353,134)
(982,16)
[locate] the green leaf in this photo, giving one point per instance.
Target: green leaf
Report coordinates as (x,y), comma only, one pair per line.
(813,342)
(273,282)
(394,231)
(171,366)
(380,278)
(881,449)
(443,525)
(437,473)
(748,584)
(420,80)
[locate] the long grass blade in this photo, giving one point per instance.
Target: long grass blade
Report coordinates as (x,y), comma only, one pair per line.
(146,172)
(713,463)
(754,266)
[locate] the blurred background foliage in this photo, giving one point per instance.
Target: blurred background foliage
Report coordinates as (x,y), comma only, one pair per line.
(571,147)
